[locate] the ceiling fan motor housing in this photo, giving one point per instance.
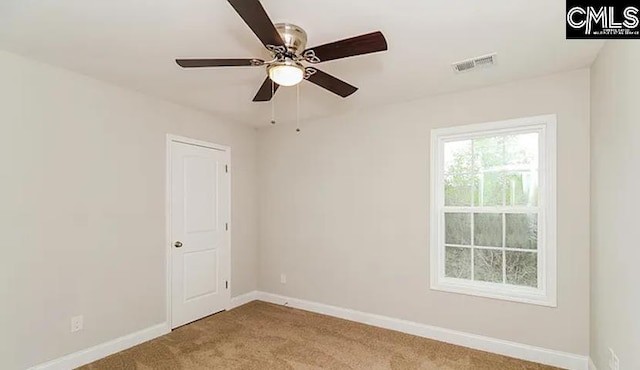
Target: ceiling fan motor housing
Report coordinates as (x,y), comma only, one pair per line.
(294,37)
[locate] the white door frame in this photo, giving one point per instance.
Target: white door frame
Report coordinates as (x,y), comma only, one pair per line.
(168,242)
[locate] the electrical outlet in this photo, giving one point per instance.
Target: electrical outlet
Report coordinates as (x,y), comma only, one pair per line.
(610,359)
(614,362)
(283,278)
(76,323)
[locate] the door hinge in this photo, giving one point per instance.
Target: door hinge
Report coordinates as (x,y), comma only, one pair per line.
(226,226)
(226,284)
(226,168)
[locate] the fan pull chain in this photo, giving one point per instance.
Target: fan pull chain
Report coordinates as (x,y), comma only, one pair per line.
(298,108)
(273,103)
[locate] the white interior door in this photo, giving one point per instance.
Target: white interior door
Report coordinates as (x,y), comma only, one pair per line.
(200,244)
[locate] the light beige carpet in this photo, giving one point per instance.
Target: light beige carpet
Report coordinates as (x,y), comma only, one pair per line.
(260,335)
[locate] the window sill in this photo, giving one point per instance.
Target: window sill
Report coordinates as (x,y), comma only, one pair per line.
(495,291)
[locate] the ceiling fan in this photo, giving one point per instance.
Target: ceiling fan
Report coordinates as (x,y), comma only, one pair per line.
(287,42)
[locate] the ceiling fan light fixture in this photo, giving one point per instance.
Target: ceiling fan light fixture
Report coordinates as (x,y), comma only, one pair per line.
(287,44)
(287,73)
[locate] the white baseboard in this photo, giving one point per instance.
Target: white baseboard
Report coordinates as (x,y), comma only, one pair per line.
(592,365)
(502,347)
(243,299)
(498,346)
(94,353)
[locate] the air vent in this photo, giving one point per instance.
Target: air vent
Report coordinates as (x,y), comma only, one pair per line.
(474,63)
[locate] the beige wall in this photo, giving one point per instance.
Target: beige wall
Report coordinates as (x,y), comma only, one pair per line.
(344,212)
(82,221)
(615,181)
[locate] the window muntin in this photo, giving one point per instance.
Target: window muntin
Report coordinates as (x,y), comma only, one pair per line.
(490,209)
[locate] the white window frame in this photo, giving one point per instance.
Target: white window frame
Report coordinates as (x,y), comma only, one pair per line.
(546,292)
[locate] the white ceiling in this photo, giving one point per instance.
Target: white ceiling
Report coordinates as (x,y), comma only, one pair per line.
(134,43)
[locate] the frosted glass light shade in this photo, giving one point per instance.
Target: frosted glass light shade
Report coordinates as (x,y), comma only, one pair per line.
(286,74)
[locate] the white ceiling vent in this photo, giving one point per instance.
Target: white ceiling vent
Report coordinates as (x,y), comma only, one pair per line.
(474,63)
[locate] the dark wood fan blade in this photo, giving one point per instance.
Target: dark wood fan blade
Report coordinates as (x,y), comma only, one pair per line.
(363,44)
(329,82)
(199,63)
(254,15)
(264,94)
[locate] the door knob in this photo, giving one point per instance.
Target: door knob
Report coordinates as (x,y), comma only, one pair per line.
(178,244)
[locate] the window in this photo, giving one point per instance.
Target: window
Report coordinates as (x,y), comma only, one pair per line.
(493,210)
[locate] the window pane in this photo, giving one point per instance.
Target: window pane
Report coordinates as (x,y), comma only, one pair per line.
(488,153)
(458,190)
(522,268)
(522,230)
(490,189)
(457,157)
(487,229)
(522,189)
(488,265)
(522,150)
(457,228)
(458,263)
